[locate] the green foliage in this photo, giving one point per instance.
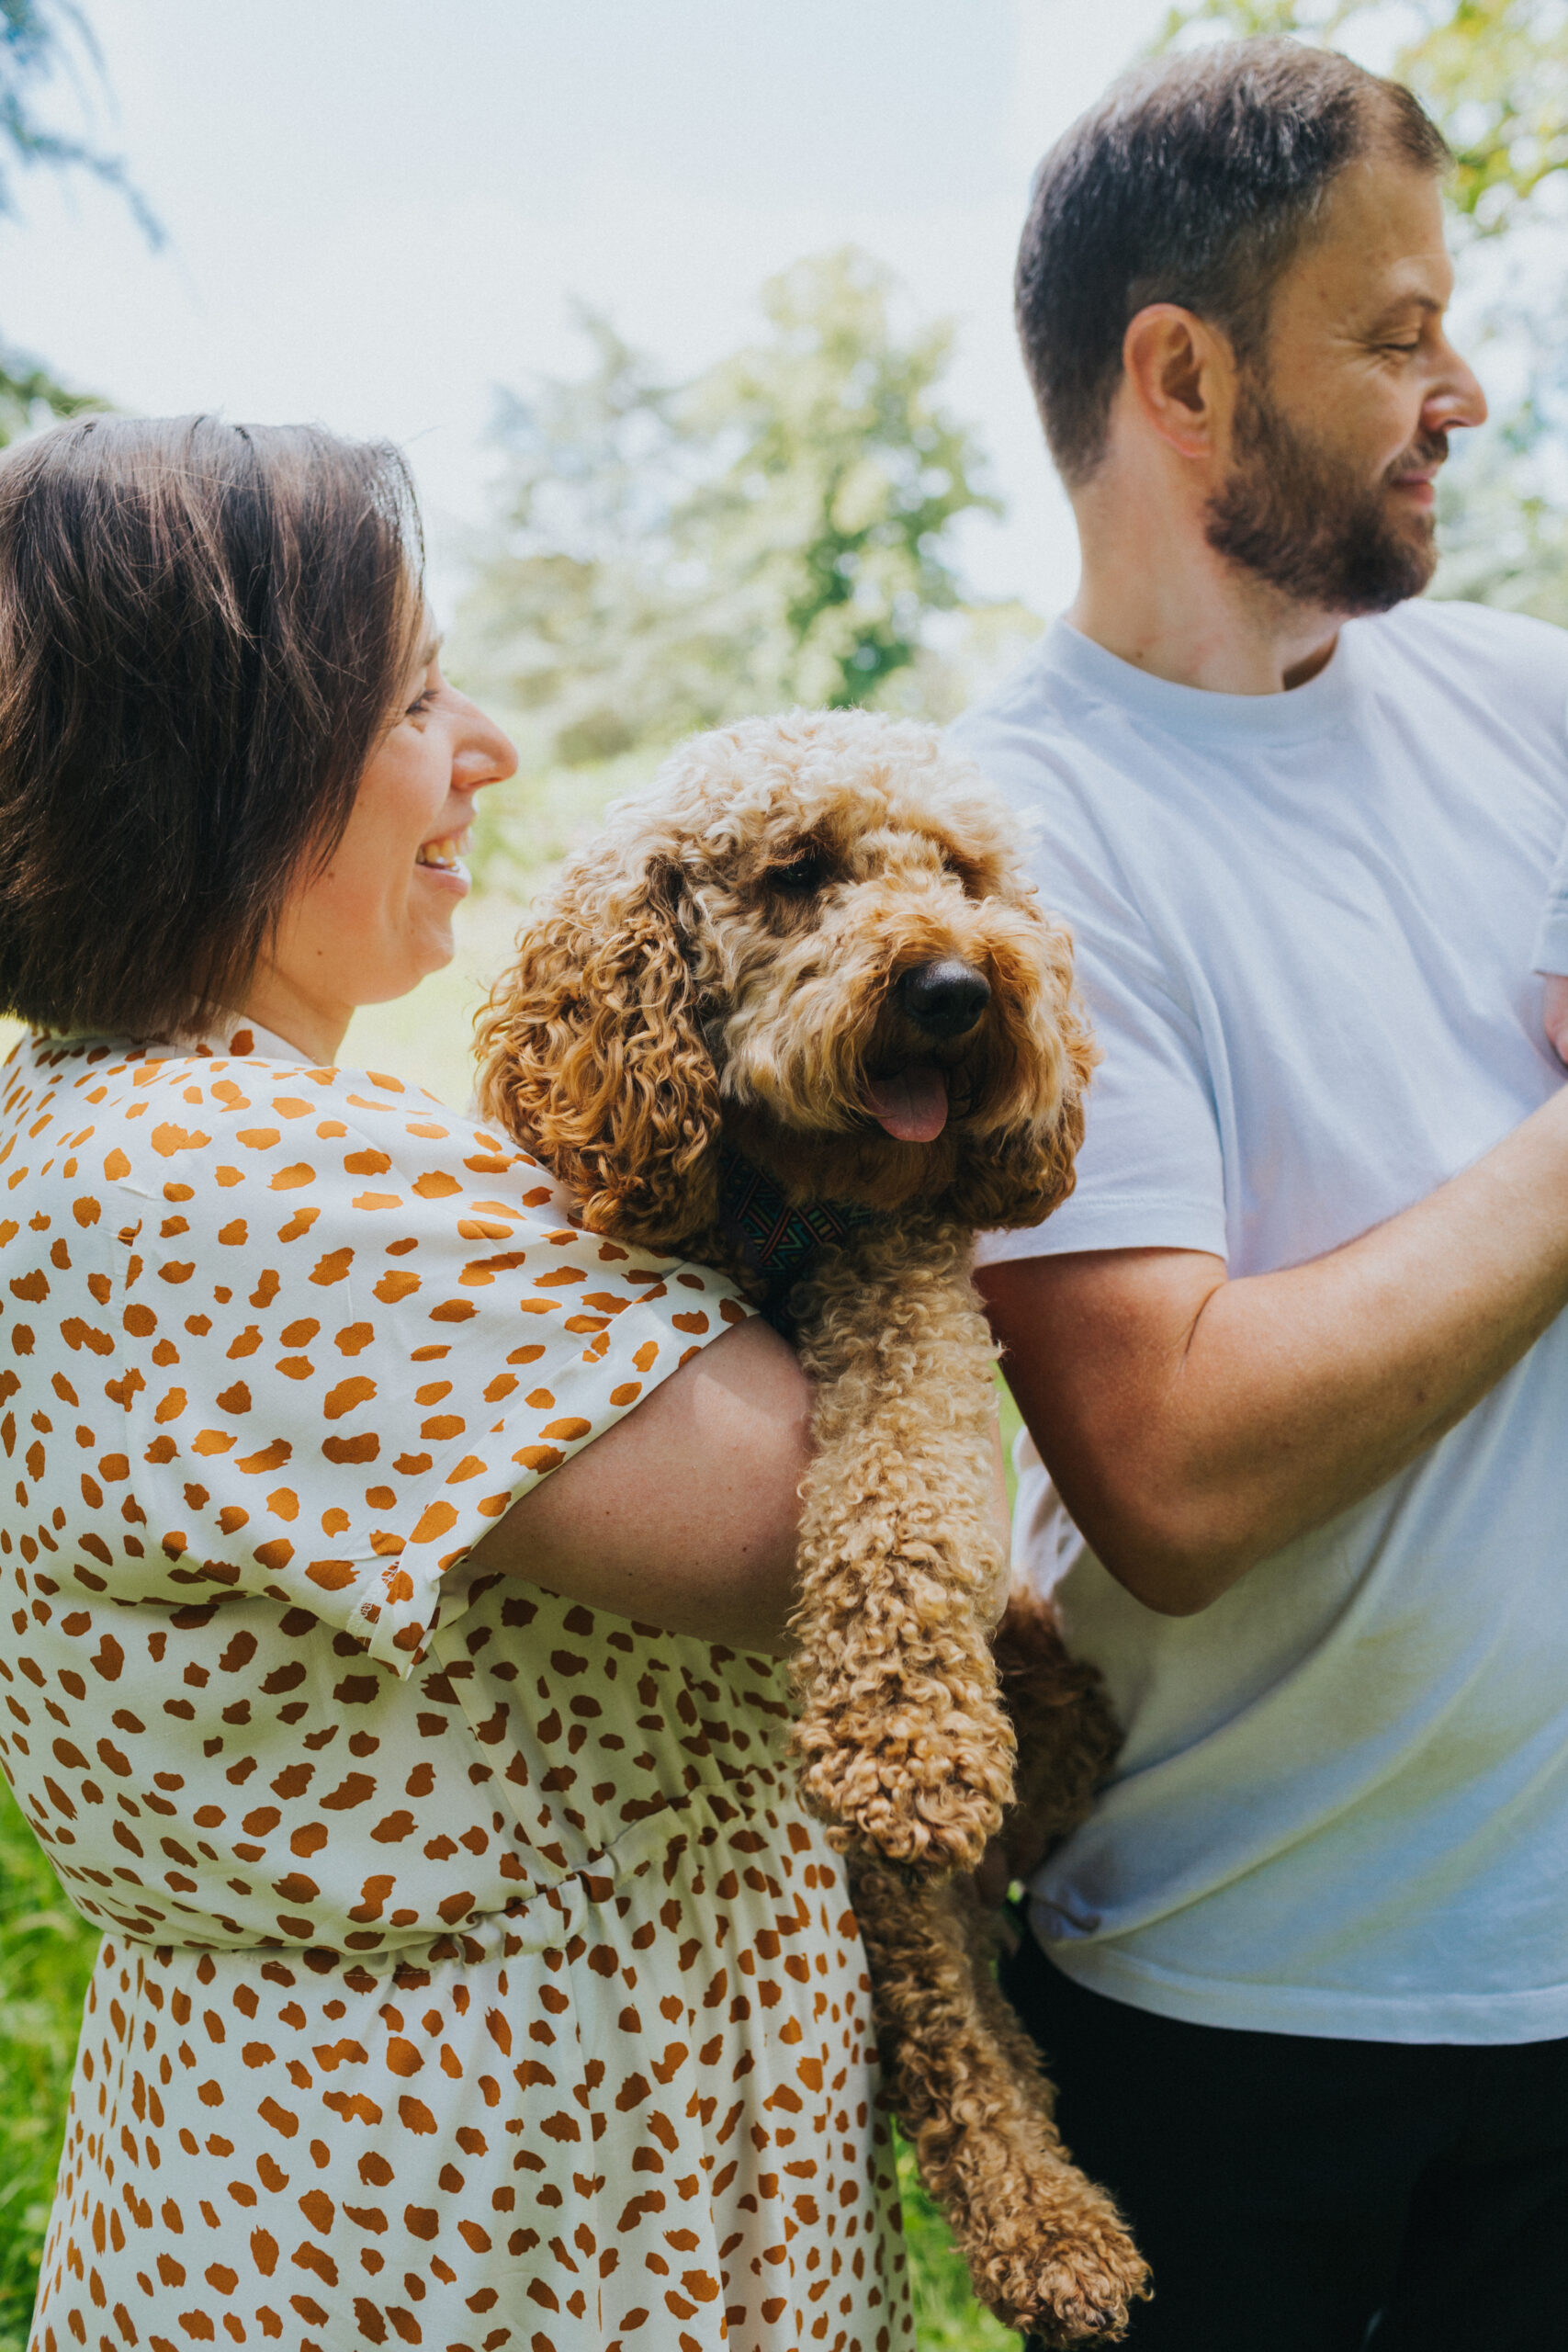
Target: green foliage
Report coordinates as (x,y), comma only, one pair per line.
(38,38)
(46,1958)
(671,557)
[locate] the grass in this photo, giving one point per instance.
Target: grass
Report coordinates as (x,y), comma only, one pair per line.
(46,1958)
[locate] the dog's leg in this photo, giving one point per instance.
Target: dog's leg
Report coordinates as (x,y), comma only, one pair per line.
(1047,2251)
(905,1746)
(1067,1736)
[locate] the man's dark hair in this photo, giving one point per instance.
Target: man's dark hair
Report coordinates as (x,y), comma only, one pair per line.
(1196,181)
(204,628)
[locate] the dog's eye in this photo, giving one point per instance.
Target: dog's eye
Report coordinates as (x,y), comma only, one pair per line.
(802,876)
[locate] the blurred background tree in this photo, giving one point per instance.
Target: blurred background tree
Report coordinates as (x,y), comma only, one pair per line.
(1494,74)
(41,40)
(668,557)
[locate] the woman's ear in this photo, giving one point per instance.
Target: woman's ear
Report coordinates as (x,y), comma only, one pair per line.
(591,1057)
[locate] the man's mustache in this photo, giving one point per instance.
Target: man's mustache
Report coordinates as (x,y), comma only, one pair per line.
(1427,450)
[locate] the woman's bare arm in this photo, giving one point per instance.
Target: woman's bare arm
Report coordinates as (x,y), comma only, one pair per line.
(685,1513)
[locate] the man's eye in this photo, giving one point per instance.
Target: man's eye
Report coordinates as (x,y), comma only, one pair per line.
(1406,347)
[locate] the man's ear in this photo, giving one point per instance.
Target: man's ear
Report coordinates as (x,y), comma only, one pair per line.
(1181,375)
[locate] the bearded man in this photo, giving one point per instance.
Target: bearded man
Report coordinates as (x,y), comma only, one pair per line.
(1292,1359)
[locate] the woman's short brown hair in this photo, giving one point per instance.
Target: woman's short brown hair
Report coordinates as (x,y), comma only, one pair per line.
(204,628)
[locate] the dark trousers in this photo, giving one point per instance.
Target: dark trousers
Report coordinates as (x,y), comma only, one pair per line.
(1298,2195)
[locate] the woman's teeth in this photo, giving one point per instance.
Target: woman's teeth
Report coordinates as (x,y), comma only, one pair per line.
(447,853)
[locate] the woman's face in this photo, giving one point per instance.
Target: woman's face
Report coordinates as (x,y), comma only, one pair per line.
(378,917)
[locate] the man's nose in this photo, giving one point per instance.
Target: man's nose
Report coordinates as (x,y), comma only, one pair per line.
(1456,399)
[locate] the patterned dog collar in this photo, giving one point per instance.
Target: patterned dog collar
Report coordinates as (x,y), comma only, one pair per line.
(777,1238)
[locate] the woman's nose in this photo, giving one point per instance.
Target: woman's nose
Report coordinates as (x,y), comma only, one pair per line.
(485,755)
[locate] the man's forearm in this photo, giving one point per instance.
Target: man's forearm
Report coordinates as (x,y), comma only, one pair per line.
(1196,1425)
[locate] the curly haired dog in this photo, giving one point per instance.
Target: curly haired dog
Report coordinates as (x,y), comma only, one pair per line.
(795,1013)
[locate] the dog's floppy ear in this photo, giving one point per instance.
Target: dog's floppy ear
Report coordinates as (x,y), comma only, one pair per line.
(591,1056)
(1023,1169)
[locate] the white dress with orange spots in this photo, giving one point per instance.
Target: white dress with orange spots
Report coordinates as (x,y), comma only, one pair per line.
(472,1976)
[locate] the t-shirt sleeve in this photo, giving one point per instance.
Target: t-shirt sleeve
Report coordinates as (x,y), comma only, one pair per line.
(1150,1173)
(362,1328)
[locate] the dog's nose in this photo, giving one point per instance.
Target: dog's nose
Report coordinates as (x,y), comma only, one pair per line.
(945,998)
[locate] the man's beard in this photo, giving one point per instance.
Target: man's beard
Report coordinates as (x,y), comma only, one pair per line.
(1302,519)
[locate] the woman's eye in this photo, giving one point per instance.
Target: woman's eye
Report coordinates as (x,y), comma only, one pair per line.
(420,704)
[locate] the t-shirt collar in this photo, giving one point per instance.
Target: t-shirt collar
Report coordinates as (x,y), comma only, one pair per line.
(1194,714)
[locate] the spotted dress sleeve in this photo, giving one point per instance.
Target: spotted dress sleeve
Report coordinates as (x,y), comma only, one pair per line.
(321,1333)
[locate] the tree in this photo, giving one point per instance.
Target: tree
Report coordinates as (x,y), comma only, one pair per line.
(38,38)
(672,556)
(1494,74)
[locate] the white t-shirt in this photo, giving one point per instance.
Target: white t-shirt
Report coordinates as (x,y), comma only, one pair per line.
(1304,925)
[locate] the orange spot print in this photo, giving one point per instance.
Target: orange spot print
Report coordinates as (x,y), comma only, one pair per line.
(394,1285)
(227,1176)
(333,1576)
(366,1163)
(436,1185)
(628,1393)
(365,1447)
(298,1224)
(212,1441)
(357,1390)
(332,1267)
(647,1355)
(271,1457)
(288,1180)
(435,1520)
(284,1503)
(333,1522)
(470,1466)
(258,1139)
(115,1165)
(168,1139)
(567,1430)
(539,1457)
(377,1201)
(354,1337)
(234,1234)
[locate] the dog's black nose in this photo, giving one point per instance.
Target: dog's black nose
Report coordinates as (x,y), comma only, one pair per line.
(945,998)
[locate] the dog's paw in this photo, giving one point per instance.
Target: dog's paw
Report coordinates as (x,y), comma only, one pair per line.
(1079,2292)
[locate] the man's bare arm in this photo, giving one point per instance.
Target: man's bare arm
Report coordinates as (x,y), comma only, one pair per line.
(685,1513)
(1195,1425)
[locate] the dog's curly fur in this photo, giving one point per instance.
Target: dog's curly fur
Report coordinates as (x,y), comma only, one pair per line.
(722,965)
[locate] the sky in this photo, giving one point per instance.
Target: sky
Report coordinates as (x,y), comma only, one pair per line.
(377,211)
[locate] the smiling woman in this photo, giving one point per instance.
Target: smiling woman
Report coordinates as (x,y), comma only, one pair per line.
(445,1994)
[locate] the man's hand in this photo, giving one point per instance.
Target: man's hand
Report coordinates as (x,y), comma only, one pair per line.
(1195,1425)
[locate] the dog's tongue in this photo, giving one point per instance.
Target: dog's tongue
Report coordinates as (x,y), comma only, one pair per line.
(912,1106)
